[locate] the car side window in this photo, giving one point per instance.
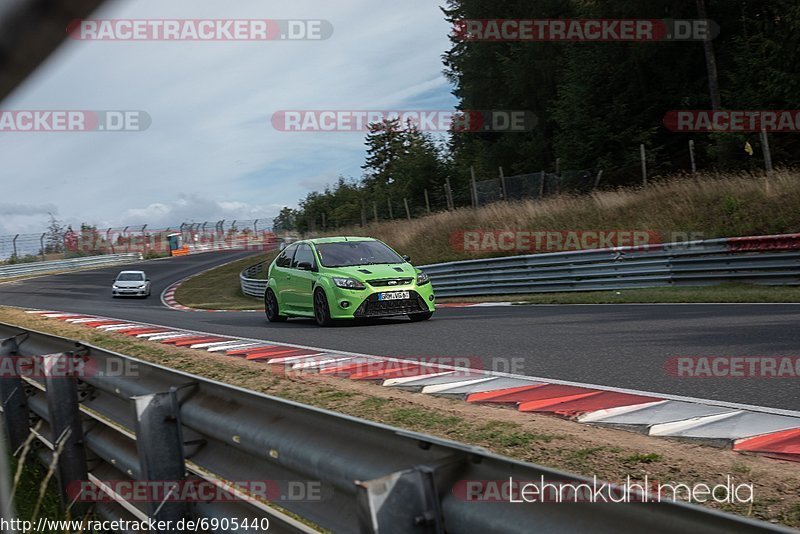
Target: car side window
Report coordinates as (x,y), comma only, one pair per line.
(304,254)
(285,258)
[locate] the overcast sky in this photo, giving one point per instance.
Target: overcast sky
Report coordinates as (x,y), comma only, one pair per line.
(211,151)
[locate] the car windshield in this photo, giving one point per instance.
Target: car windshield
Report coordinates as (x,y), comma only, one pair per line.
(130,277)
(349,253)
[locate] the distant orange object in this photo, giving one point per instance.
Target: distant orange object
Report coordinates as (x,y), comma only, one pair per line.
(181,251)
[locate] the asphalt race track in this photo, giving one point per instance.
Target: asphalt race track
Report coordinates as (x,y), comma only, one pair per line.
(615,345)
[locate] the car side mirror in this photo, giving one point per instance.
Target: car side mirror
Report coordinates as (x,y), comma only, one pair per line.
(304,266)
(147,279)
(407,257)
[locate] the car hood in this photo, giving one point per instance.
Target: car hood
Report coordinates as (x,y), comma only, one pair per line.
(375,272)
(128,284)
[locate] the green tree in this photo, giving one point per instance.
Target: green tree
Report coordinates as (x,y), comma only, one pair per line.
(285,221)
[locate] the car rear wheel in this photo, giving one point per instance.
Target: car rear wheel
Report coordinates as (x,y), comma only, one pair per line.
(420,316)
(322,312)
(271,307)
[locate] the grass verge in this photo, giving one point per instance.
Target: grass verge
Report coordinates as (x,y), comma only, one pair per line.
(218,288)
(609,454)
(726,293)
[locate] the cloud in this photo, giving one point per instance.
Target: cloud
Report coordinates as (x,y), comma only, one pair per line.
(211,151)
(7,209)
(194,208)
(19,218)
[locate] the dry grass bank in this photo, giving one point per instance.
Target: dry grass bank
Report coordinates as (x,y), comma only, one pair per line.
(711,205)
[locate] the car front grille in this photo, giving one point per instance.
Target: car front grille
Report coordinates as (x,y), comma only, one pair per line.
(390,282)
(372,307)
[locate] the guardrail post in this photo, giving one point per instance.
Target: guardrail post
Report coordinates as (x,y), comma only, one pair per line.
(65,421)
(406,501)
(7,509)
(159,442)
(12,395)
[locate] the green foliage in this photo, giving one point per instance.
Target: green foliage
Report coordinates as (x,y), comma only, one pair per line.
(597,102)
(27,258)
(285,221)
(401,163)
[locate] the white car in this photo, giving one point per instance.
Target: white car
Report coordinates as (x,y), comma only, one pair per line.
(131,284)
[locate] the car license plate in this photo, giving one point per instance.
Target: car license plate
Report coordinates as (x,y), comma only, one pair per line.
(394,295)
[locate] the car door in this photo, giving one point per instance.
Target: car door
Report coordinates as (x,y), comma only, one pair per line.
(282,273)
(303,277)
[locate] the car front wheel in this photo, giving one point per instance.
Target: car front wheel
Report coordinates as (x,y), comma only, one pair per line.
(271,307)
(424,316)
(322,312)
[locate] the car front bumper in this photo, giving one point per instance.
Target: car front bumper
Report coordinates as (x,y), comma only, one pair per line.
(356,304)
(128,292)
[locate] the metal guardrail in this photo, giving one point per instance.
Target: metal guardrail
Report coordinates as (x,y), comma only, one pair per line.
(771,260)
(22,269)
(129,420)
(254,287)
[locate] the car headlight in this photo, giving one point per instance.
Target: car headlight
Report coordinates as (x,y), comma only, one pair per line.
(422,279)
(348,283)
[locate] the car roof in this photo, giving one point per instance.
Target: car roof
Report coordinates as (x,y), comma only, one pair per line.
(131,272)
(322,240)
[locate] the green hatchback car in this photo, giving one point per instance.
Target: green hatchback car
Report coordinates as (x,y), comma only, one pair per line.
(345,278)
